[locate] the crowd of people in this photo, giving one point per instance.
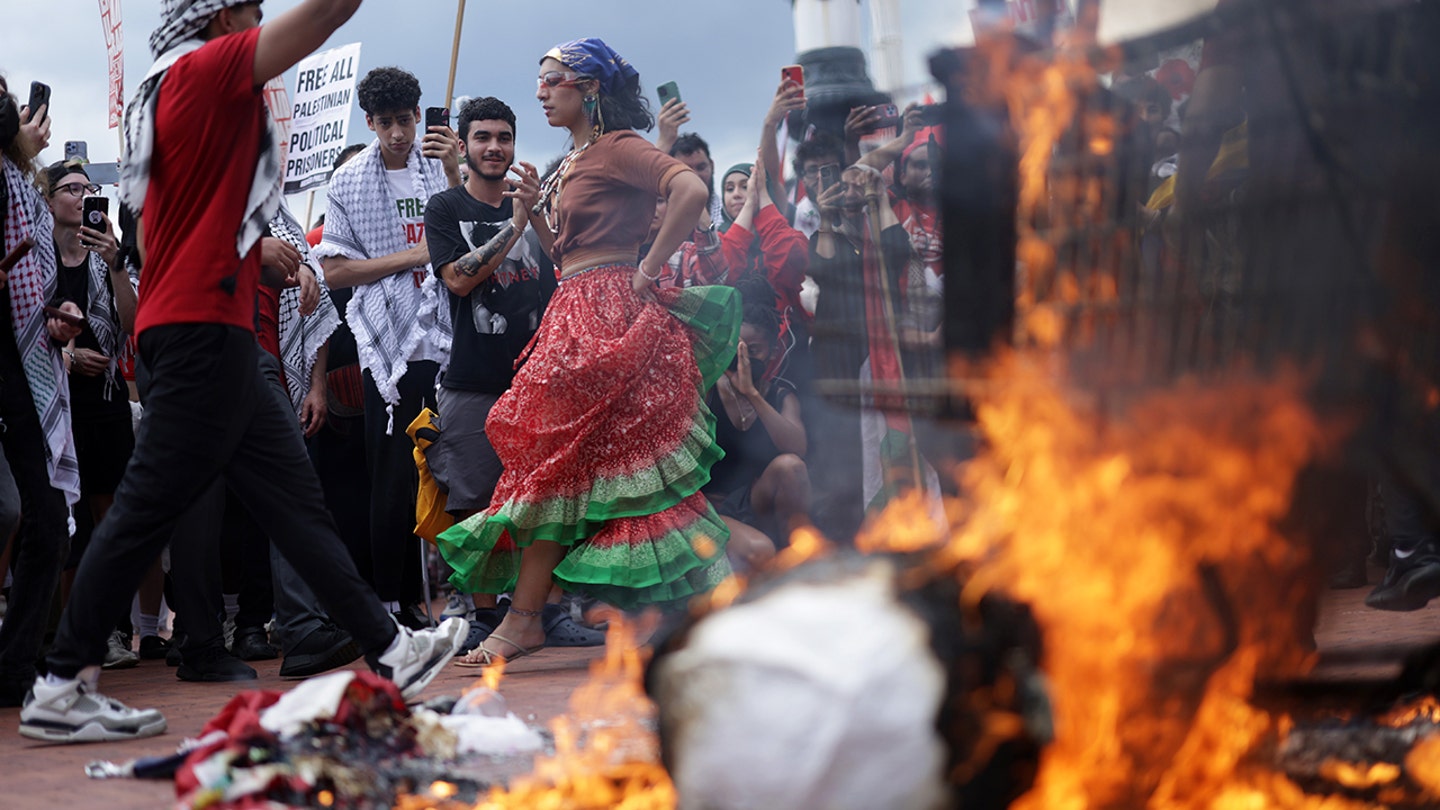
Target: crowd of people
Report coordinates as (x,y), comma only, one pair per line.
(610,368)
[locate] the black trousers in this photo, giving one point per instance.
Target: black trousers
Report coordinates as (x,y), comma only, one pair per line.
(394,548)
(211,412)
(27,499)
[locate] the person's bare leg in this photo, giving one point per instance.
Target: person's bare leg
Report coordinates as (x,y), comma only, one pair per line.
(522,625)
(783,492)
(749,549)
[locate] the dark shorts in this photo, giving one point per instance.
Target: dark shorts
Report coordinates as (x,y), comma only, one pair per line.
(463,462)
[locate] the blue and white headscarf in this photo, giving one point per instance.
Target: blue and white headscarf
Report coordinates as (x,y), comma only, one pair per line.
(592,57)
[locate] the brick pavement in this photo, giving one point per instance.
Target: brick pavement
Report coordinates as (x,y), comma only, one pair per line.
(1354,642)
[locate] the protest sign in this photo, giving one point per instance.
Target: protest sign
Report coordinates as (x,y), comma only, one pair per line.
(320,114)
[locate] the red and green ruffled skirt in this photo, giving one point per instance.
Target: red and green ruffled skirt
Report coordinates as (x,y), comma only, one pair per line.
(606,440)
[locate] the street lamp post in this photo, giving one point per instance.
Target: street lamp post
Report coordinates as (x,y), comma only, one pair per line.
(827,46)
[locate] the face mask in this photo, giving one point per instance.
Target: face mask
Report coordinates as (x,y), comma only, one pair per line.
(9,121)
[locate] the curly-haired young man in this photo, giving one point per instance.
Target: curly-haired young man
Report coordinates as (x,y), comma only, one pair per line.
(374,241)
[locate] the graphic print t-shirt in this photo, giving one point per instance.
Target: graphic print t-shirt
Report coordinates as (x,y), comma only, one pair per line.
(494,323)
(412,218)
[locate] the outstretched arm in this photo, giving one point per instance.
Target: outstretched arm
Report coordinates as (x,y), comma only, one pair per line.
(296,34)
(888,153)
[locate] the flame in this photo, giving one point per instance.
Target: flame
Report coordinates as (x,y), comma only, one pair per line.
(605,752)
(491,676)
(806,543)
(1422,765)
(1144,540)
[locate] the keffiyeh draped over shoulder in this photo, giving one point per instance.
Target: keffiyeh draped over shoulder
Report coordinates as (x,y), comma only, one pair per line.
(182,22)
(363,223)
(32,284)
(301,336)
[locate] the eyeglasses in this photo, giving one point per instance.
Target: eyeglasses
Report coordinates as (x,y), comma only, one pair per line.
(557,78)
(78,189)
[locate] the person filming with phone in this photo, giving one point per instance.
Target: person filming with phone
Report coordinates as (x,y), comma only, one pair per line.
(39,463)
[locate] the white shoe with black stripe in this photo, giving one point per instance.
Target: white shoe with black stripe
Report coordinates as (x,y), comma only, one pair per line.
(419,655)
(74,712)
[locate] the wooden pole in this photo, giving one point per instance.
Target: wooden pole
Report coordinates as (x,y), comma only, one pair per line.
(309,205)
(454,53)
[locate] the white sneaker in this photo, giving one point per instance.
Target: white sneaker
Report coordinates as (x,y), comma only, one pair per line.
(419,655)
(75,712)
(458,605)
(118,655)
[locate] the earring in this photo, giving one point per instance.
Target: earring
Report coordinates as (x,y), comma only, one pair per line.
(597,121)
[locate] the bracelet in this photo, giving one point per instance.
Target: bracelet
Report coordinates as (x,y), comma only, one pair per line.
(656,277)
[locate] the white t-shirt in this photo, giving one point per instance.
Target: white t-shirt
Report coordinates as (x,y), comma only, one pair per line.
(412,216)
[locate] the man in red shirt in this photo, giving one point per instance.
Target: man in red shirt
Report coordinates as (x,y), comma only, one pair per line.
(210,411)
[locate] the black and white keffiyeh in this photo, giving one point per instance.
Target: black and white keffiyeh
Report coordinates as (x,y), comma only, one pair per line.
(104,323)
(32,283)
(363,223)
(301,336)
(182,21)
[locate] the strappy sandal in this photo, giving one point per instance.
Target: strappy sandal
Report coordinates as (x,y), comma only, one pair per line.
(481,657)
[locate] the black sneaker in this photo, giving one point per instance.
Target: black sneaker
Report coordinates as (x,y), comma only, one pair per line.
(252,644)
(413,617)
(1411,581)
(213,665)
(324,649)
(153,648)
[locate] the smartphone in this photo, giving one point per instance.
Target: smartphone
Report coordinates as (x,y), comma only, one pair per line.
(67,317)
(77,150)
(796,74)
(829,175)
(94,210)
(39,96)
(668,91)
(932,115)
(436,117)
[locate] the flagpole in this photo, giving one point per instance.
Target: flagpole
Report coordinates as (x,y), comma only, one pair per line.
(454,53)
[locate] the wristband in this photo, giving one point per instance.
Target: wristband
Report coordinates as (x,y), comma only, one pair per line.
(656,277)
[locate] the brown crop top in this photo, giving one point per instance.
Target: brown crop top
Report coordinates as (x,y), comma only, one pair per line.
(607,199)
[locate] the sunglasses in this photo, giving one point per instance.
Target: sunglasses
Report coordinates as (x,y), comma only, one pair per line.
(557,78)
(77,189)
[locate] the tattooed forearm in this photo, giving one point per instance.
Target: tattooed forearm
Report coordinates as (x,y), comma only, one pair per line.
(470,263)
(497,244)
(467,265)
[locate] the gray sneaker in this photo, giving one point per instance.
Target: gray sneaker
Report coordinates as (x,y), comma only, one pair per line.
(420,655)
(458,604)
(118,654)
(75,712)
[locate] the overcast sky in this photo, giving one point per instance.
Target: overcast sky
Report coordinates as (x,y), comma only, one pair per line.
(724,54)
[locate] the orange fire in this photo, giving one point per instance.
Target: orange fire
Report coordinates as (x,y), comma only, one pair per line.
(1144,538)
(606,756)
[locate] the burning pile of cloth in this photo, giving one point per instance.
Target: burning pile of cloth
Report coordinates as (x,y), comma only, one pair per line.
(343,740)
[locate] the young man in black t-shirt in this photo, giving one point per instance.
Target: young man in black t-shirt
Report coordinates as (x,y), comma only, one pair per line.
(498,289)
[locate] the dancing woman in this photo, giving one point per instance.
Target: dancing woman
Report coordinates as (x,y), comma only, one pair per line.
(605,436)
